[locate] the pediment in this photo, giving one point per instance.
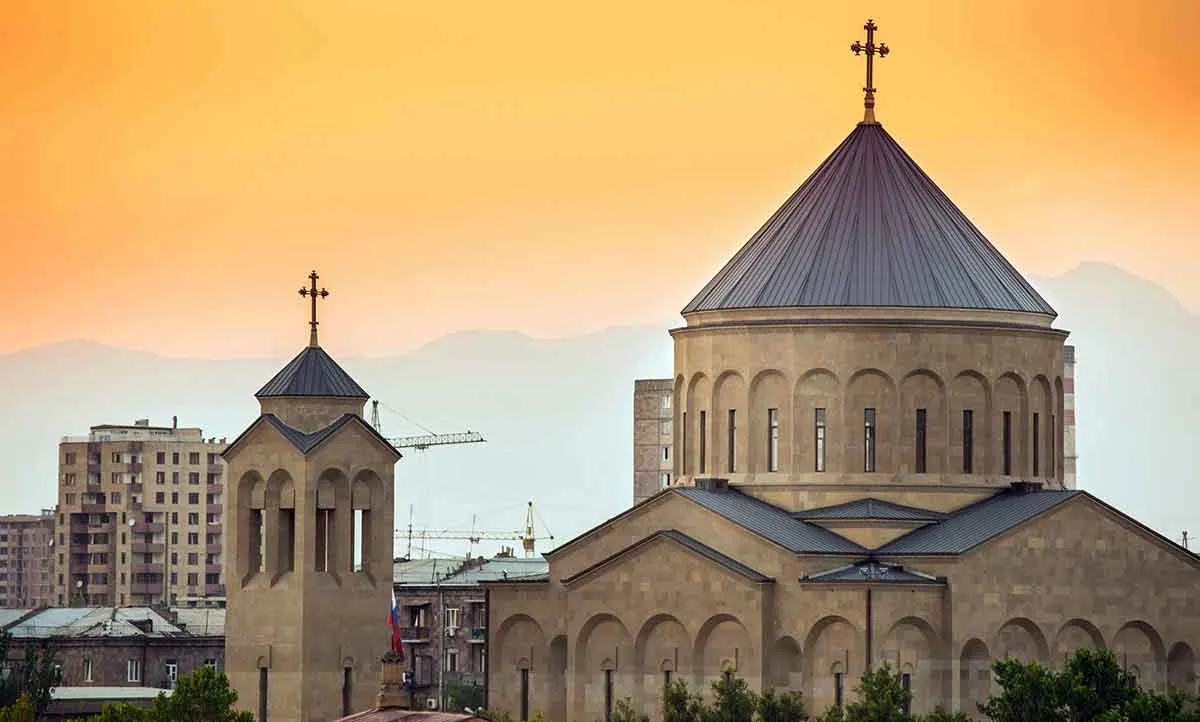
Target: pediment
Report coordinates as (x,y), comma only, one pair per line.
(308,443)
(677,542)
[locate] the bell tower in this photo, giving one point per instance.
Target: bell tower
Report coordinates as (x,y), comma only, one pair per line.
(308,556)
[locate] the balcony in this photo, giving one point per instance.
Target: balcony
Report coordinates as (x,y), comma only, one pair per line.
(144,548)
(147,588)
(212,548)
(216,509)
(134,467)
(414,634)
(135,488)
(93,508)
(214,590)
(148,527)
(143,568)
(478,635)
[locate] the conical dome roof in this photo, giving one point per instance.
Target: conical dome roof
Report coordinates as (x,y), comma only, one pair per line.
(869,228)
(312,373)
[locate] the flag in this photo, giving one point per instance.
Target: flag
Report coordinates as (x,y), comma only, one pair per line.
(394,624)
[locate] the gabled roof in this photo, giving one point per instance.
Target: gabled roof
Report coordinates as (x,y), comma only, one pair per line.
(770,522)
(875,572)
(675,535)
(975,524)
(312,373)
(870,509)
(869,228)
(306,442)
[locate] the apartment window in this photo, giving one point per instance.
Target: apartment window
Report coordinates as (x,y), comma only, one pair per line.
(1036,444)
(193,498)
(212,498)
(212,559)
(212,459)
(69,458)
(115,497)
(819,439)
(174,578)
(194,457)
(453,617)
(665,427)
(160,477)
(212,578)
(1007,442)
(214,478)
(174,558)
(869,440)
(732,441)
(174,514)
(772,439)
(160,458)
(69,479)
(115,477)
(703,439)
(193,558)
(666,403)
(116,457)
(175,478)
(212,518)
(193,537)
(968,441)
(175,536)
(920,460)
(172,673)
(664,479)
(68,499)
(87,669)
(160,497)
(175,458)
(839,688)
(193,518)
(193,477)
(133,670)
(193,578)
(451,660)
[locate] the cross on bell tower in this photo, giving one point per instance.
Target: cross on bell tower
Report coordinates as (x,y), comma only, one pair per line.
(313,293)
(871,49)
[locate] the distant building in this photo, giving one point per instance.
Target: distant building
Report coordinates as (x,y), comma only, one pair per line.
(652,431)
(443,613)
(27,560)
(139,518)
(110,654)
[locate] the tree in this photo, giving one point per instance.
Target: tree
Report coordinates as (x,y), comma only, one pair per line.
(680,705)
(1029,693)
(202,696)
(20,711)
(786,707)
(939,714)
(35,675)
(460,696)
(733,701)
(881,698)
(624,712)
(1092,683)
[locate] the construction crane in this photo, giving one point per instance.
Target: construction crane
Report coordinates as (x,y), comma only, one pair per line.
(527,538)
(424,441)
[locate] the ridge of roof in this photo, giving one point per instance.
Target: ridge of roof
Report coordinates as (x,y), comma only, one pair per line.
(312,372)
(869,228)
(691,543)
(305,442)
(870,508)
(771,522)
(976,523)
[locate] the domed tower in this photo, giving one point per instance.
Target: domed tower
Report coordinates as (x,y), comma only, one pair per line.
(309,547)
(869,342)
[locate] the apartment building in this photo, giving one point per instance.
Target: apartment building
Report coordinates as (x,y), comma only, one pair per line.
(652,432)
(27,560)
(139,517)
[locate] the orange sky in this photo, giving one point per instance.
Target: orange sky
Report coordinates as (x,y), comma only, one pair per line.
(172,170)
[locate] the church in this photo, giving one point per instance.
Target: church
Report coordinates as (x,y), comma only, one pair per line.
(868,431)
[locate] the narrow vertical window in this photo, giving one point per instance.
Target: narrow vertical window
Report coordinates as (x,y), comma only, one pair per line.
(968,441)
(1006,440)
(256,541)
(608,680)
(819,438)
(1037,441)
(920,460)
(868,440)
(683,444)
(262,694)
(287,540)
(357,533)
(524,695)
(345,691)
(87,669)
(839,688)
(906,685)
(732,441)
(703,439)
(772,439)
(324,522)
(666,678)
(1053,447)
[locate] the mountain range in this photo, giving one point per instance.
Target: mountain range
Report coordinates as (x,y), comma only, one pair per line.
(557,413)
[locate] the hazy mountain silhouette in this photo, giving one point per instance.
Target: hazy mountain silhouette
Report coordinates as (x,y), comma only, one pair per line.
(558,413)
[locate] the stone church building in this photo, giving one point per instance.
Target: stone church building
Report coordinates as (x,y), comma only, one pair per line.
(868,467)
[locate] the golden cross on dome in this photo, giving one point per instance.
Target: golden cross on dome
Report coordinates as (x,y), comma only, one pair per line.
(313,293)
(871,49)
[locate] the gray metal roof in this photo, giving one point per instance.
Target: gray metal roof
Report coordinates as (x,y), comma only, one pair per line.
(98,622)
(8,616)
(312,373)
(700,548)
(770,522)
(306,442)
(869,228)
(453,571)
(873,571)
(973,525)
(871,509)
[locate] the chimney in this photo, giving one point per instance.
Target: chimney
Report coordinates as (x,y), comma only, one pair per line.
(391,682)
(174,422)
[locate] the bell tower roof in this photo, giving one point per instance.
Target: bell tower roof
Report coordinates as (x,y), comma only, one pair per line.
(312,373)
